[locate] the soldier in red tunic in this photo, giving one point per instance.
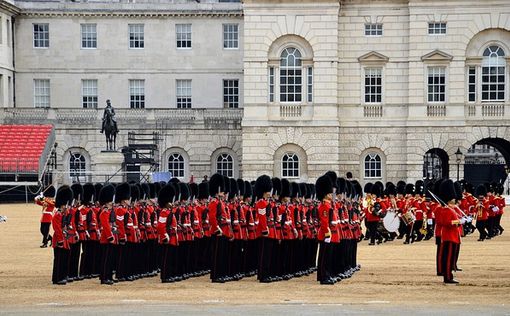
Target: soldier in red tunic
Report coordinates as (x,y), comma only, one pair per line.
(108,231)
(324,189)
(60,243)
(46,200)
(263,187)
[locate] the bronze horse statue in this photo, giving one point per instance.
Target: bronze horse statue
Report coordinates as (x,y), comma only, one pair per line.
(110,132)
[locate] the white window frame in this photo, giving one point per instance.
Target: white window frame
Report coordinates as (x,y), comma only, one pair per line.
(231,93)
(373,72)
(222,164)
(271,82)
(436,71)
(437,28)
(137,93)
(183,93)
(183,35)
(176,165)
(77,159)
(309,84)
(42,93)
(472,76)
(89,93)
(230,36)
(290,166)
(376,168)
(487,63)
(88,35)
(373,29)
(283,73)
(45,32)
(136,36)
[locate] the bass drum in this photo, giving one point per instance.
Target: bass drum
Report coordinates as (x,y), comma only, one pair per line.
(391,221)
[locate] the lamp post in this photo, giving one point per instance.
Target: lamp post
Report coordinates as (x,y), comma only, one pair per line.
(458,155)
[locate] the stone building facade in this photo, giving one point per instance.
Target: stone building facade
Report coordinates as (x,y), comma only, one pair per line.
(287,88)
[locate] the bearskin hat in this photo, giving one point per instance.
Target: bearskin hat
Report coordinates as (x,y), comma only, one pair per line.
(349,189)
(50,192)
(97,188)
(157,187)
(341,185)
(203,190)
(458,190)
(183,191)
(481,190)
(89,193)
(391,189)
(240,186)
(135,192)
(106,194)
(216,184)
(357,188)
(64,196)
(311,190)
(286,189)
(377,189)
(77,191)
(263,184)
(429,187)
(295,192)
(193,187)
(323,187)
(174,180)
(146,191)
(447,191)
(409,189)
(368,187)
(122,192)
(248,191)
(166,195)
(277,186)
(332,177)
(303,189)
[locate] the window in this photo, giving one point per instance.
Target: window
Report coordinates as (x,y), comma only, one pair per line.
(137,93)
(432,166)
(225,165)
(472,84)
(8,29)
(41,35)
(271,84)
(89,93)
(437,28)
(373,85)
(290,166)
(373,29)
(290,75)
(230,35)
(136,36)
(176,165)
(493,74)
(183,92)
(42,93)
(183,32)
(436,84)
(231,93)
(309,84)
(372,166)
(77,167)
(88,36)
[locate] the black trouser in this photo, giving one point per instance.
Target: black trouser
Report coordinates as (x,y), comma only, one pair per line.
(106,268)
(499,228)
(447,259)
(219,263)
(372,230)
(60,264)
(74,260)
(86,259)
(170,262)
(120,261)
(481,226)
(439,269)
(324,271)
(456,251)
(266,252)
(45,232)
(418,224)
(491,222)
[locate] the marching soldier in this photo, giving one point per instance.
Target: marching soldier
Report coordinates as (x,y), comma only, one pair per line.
(324,189)
(46,200)
(60,242)
(108,230)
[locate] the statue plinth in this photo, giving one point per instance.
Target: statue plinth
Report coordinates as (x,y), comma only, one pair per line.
(108,164)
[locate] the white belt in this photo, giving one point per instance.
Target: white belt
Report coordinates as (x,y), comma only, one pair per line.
(48,213)
(162,220)
(236,222)
(186,225)
(120,218)
(262,211)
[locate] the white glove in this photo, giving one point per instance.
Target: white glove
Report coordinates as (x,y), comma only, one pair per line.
(327,240)
(463,220)
(469,219)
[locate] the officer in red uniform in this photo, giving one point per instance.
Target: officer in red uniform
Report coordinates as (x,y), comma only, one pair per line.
(263,187)
(74,224)
(167,234)
(60,243)
(47,200)
(324,189)
(122,202)
(482,212)
(203,217)
(108,231)
(88,231)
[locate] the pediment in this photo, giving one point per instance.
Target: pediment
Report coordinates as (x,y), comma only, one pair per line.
(436,55)
(373,57)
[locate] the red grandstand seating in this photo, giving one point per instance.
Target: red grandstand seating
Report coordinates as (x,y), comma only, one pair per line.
(21,147)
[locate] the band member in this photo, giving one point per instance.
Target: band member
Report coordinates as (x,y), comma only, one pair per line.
(60,242)
(47,200)
(482,211)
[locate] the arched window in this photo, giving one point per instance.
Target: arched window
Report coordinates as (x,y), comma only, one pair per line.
(176,165)
(225,165)
(373,165)
(290,75)
(77,167)
(432,166)
(493,74)
(290,166)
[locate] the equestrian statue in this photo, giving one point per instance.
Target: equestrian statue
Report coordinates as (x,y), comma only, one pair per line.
(109,126)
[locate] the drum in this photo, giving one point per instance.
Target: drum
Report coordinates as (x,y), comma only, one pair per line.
(408,218)
(391,221)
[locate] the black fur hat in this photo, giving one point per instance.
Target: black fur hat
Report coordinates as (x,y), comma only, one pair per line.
(166,195)
(401,183)
(391,189)
(50,192)
(368,187)
(89,193)
(286,189)
(349,189)
(277,186)
(447,191)
(184,191)
(357,188)
(157,187)
(248,191)
(377,189)
(469,188)
(429,187)
(295,191)
(216,184)
(418,187)
(263,184)
(240,186)
(146,191)
(458,190)
(233,188)
(152,191)
(106,194)
(203,190)
(332,177)
(64,196)
(311,189)
(122,192)
(409,189)
(323,187)
(174,180)
(97,188)
(341,185)
(77,191)
(135,192)
(401,188)
(194,190)
(303,189)
(481,190)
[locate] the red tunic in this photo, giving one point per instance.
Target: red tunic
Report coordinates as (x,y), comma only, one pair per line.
(324,214)
(450,230)
(262,208)
(48,205)
(107,236)
(59,239)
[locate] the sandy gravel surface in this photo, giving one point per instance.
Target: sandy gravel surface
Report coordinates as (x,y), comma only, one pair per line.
(393,275)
